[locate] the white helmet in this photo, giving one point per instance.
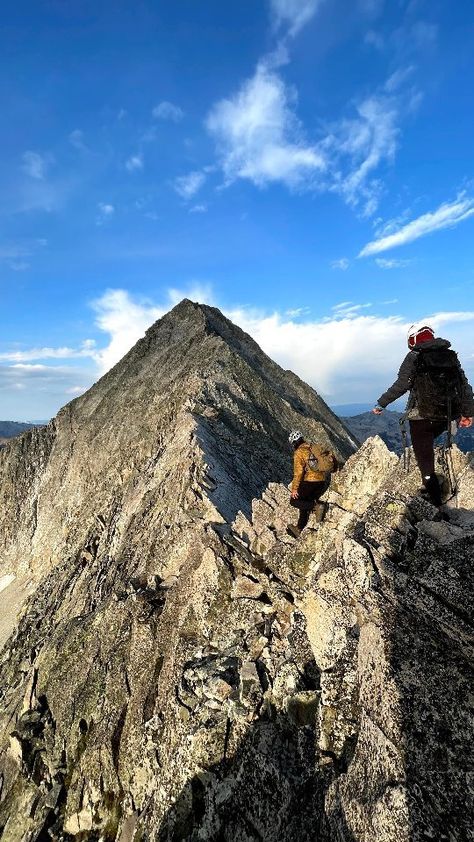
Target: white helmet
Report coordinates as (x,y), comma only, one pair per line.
(419,333)
(295,436)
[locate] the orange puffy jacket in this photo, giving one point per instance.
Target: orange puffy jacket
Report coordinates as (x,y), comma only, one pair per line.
(301,470)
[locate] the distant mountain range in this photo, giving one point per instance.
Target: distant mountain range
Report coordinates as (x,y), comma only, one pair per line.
(10,429)
(387,426)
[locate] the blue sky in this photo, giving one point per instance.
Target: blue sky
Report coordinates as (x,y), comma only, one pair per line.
(305,165)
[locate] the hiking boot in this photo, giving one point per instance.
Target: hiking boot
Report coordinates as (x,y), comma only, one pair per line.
(433,489)
(294,531)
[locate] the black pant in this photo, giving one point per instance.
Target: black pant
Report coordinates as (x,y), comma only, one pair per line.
(308,494)
(423,434)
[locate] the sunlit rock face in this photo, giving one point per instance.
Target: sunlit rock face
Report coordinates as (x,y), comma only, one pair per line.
(185,670)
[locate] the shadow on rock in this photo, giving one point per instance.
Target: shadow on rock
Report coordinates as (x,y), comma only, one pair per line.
(272,789)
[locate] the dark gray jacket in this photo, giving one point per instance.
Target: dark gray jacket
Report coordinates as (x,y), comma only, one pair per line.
(406,377)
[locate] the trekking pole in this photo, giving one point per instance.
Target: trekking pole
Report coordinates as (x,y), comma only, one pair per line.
(449,452)
(406,450)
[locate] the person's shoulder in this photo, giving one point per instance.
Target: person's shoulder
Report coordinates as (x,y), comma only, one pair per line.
(410,360)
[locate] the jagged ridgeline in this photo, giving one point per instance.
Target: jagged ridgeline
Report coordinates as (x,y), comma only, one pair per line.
(181,669)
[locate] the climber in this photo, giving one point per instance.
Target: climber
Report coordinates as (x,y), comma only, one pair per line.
(312,467)
(439,394)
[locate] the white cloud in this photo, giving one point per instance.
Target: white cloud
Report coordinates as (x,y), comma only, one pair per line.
(446,216)
(348,310)
(19,265)
(374,39)
(297,312)
(198,209)
(37,391)
(424,34)
(76,390)
(293,13)
(259,136)
(76,139)
(16,255)
(188,185)
(35,165)
(382,263)
(167,111)
(348,356)
(106,211)
(397,79)
(134,163)
(87,349)
(125,319)
(356,148)
(347,359)
(342,264)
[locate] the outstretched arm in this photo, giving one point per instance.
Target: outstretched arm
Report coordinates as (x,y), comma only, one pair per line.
(402,384)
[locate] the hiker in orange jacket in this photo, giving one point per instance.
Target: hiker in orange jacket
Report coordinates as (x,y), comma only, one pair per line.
(312,466)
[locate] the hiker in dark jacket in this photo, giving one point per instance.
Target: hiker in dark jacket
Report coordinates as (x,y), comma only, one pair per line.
(428,422)
(312,466)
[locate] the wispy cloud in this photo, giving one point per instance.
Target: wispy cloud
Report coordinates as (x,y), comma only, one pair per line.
(293,13)
(134,163)
(398,78)
(348,310)
(198,209)
(447,215)
(382,263)
(168,111)
(76,139)
(258,135)
(17,255)
(188,185)
(35,165)
(31,391)
(106,212)
(87,349)
(374,39)
(356,147)
(259,138)
(342,264)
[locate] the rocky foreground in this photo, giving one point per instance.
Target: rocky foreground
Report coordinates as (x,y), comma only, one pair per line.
(183,669)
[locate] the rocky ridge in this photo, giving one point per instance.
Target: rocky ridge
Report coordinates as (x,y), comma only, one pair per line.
(185,670)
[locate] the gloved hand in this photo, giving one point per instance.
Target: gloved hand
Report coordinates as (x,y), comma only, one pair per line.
(465,422)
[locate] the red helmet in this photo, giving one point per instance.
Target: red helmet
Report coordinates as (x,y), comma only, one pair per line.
(418,335)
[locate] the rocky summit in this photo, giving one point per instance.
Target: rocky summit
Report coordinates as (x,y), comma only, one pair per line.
(177,667)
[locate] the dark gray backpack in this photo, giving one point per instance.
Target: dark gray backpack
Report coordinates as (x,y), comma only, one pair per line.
(437,384)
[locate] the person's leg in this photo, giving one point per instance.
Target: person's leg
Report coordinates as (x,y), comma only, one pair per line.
(423,434)
(310,494)
(303,518)
(422,439)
